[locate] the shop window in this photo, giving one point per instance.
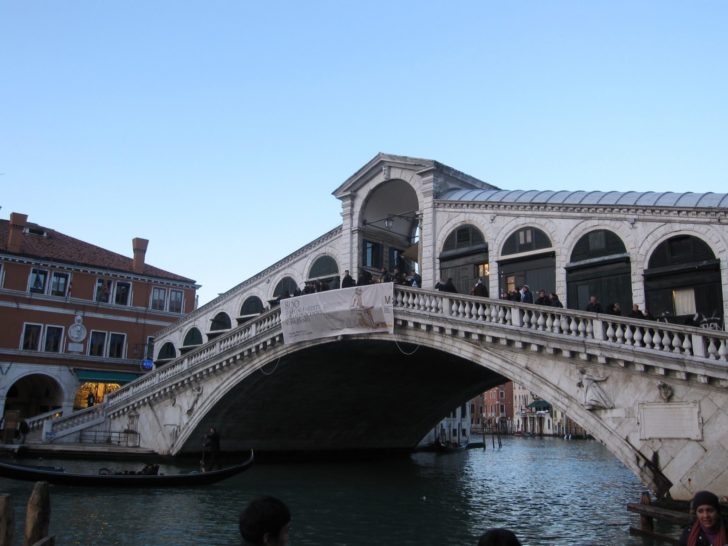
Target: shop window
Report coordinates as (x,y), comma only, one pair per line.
(176,297)
(97,343)
(53,335)
(159,298)
(117,343)
(59,284)
(38,281)
(103,291)
(31,337)
(121,297)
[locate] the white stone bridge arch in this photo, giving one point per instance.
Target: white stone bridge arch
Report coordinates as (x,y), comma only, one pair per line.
(661,403)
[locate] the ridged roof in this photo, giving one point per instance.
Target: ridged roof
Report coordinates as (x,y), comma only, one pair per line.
(629,198)
(56,246)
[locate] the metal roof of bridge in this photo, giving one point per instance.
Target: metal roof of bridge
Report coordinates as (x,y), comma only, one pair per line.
(629,198)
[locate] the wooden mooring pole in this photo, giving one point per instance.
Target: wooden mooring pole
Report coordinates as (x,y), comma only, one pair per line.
(647,523)
(38,517)
(7,521)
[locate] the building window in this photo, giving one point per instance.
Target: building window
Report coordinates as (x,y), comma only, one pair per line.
(31,337)
(159,298)
(53,335)
(176,297)
(59,284)
(372,254)
(502,409)
(97,344)
(103,291)
(501,394)
(123,289)
(116,345)
(38,280)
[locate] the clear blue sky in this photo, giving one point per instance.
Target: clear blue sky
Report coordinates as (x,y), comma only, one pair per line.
(218,129)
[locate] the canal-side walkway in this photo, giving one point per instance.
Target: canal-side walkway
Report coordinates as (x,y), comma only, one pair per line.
(85,451)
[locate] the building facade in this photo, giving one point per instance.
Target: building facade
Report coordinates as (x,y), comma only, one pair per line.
(77,320)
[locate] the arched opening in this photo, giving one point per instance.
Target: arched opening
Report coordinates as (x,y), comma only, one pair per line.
(682,283)
(90,393)
(324,275)
(166,354)
(32,395)
(527,257)
(599,266)
(464,259)
(219,325)
(252,307)
(193,339)
(286,288)
(389,230)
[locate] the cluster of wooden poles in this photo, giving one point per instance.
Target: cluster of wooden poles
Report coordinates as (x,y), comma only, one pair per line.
(37,518)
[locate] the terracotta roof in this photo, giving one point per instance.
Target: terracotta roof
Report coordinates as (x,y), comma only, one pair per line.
(47,244)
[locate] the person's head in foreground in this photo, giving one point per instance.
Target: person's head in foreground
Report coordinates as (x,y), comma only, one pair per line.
(708,527)
(498,537)
(265,521)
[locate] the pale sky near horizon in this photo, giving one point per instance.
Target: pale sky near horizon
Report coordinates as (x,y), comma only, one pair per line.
(218,129)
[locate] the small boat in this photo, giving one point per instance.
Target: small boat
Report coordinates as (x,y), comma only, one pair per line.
(60,477)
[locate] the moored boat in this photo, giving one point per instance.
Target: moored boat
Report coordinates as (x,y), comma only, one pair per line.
(59,477)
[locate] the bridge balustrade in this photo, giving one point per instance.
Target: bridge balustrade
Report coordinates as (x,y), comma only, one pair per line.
(668,340)
(662,337)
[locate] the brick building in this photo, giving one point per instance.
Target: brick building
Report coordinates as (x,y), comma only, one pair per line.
(77,320)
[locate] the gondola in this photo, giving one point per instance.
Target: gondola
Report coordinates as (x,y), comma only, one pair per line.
(59,477)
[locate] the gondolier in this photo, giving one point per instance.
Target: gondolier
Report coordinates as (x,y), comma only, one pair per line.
(210,450)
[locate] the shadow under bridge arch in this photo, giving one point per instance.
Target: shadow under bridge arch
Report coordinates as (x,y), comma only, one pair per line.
(354,394)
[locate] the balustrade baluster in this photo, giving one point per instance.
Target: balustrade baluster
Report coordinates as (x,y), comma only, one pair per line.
(687,346)
(610,332)
(676,343)
(541,323)
(619,334)
(482,312)
(723,351)
(549,322)
(573,326)
(581,328)
(638,336)
(666,341)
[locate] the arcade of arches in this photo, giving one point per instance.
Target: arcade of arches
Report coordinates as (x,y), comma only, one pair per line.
(682,282)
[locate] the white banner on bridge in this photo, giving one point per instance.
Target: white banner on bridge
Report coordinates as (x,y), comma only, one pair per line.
(357,310)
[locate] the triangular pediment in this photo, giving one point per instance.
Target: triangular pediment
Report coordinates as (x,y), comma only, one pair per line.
(445,178)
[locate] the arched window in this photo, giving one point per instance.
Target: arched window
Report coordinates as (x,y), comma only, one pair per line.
(597,244)
(600,267)
(193,337)
(683,284)
(251,306)
(326,272)
(220,322)
(463,238)
(286,288)
(464,258)
(526,239)
(537,270)
(166,353)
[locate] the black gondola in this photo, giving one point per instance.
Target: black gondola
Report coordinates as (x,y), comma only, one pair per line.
(59,477)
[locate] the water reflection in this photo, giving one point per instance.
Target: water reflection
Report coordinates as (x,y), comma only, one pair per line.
(547,490)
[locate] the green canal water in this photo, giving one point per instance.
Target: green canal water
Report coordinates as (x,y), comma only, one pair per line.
(549,491)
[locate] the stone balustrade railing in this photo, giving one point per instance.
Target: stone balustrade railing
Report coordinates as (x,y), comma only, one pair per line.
(618,331)
(667,340)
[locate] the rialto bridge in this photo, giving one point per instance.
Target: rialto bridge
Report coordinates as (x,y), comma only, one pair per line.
(655,393)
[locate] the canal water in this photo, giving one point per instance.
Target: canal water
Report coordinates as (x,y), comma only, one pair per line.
(549,491)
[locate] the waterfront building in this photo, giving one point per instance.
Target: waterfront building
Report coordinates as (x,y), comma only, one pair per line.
(77,320)
(498,408)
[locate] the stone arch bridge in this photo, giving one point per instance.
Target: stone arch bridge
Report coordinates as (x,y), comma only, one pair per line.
(655,394)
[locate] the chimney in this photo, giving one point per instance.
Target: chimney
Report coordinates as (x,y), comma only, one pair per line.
(15,232)
(140,250)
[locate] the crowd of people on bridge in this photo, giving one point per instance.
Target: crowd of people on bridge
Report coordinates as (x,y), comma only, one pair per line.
(266,521)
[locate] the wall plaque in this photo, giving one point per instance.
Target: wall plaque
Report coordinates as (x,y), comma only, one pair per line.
(670,420)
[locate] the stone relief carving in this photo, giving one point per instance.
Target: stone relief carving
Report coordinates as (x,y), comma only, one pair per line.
(594,396)
(197,391)
(666,391)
